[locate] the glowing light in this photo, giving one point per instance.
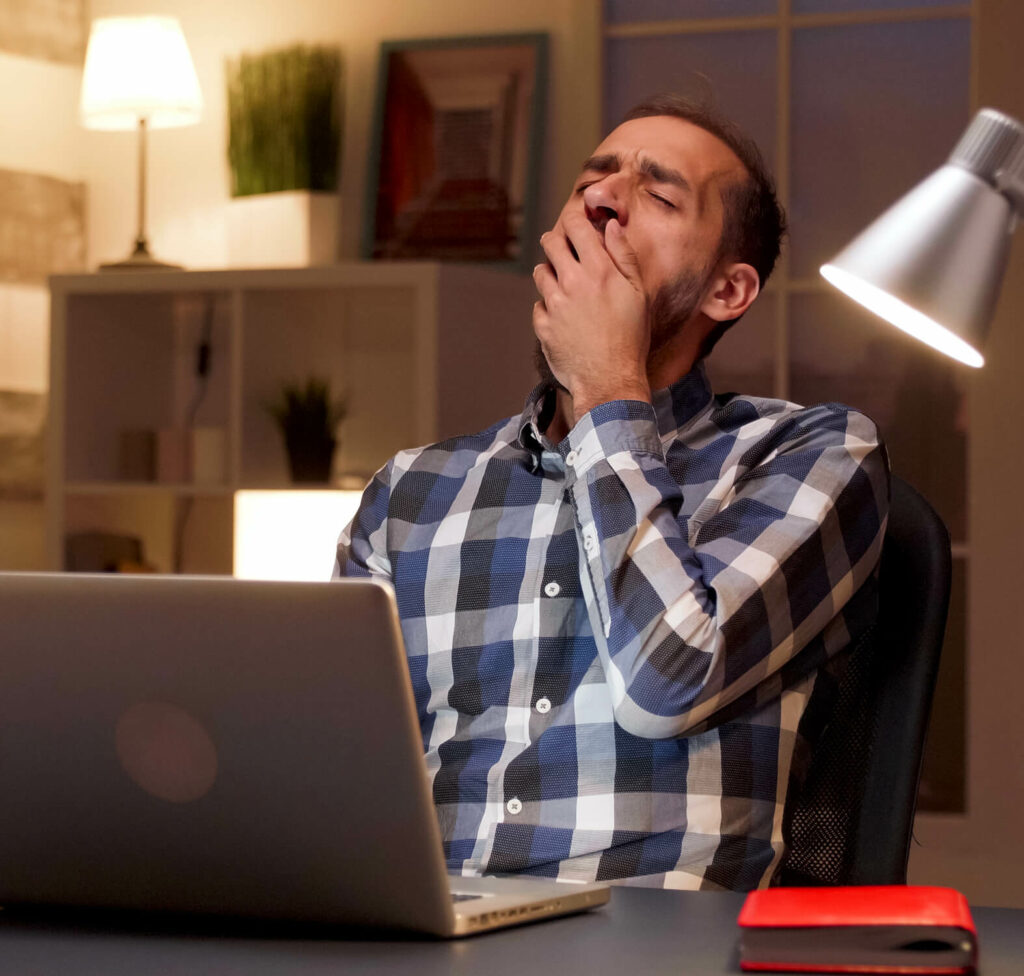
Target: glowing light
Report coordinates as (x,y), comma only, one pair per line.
(138,67)
(290,535)
(902,315)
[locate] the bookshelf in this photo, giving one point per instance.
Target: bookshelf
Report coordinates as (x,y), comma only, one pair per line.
(421,350)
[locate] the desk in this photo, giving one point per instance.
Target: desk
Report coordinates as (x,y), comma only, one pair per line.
(640,933)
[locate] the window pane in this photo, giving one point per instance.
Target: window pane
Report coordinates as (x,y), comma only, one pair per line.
(836,6)
(943,776)
(627,11)
(917,397)
(737,69)
(743,360)
(875,109)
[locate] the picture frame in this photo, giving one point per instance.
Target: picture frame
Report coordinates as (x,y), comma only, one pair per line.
(455,156)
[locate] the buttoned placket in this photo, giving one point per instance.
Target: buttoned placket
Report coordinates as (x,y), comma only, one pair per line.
(542,705)
(551,469)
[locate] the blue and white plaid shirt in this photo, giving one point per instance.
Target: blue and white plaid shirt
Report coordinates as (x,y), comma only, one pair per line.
(613,641)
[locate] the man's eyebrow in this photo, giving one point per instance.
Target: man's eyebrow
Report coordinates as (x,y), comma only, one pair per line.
(605,163)
(663,174)
(612,163)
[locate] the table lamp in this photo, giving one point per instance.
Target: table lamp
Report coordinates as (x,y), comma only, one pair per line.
(933,263)
(139,74)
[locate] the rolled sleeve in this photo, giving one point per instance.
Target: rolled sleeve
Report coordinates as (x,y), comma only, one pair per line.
(693,613)
(362,545)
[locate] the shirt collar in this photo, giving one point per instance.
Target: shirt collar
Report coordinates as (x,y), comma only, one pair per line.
(541,401)
(674,407)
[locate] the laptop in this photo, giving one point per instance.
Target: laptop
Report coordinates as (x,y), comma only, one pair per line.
(236,747)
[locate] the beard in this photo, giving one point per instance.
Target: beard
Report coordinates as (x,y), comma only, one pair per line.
(671,308)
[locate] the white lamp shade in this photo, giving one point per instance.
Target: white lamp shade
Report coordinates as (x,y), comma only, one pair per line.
(138,68)
(290,535)
(932,264)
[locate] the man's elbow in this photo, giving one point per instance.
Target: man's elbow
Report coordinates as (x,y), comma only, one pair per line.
(653,705)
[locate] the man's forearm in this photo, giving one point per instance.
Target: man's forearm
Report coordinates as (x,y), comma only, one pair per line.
(689,618)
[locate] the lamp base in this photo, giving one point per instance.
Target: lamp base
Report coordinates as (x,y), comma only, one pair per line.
(140,260)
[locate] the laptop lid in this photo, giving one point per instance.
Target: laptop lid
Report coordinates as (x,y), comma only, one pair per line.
(214,745)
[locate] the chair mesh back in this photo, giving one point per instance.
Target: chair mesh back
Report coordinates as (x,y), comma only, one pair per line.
(823,825)
(851,822)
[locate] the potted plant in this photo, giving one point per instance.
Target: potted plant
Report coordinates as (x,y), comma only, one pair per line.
(284,142)
(308,417)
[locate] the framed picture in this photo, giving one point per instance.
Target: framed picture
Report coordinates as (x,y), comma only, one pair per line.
(456,149)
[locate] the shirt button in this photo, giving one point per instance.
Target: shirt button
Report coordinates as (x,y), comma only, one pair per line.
(589,541)
(552,589)
(514,806)
(571,457)
(543,706)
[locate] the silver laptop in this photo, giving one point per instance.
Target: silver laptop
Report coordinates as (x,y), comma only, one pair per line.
(226,746)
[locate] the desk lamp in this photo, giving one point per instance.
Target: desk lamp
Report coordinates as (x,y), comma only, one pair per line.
(139,75)
(933,263)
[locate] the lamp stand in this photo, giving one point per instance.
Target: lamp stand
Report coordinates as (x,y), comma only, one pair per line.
(140,259)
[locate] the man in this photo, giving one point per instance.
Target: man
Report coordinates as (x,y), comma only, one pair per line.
(623,608)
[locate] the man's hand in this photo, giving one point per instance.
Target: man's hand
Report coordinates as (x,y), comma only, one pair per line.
(592,319)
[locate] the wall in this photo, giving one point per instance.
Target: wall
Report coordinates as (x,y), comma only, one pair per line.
(188,168)
(38,134)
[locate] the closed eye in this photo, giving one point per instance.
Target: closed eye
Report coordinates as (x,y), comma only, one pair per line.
(662,200)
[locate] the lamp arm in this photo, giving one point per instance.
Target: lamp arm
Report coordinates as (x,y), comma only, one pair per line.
(992,148)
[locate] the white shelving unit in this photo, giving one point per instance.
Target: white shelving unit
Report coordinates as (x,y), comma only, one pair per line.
(422,351)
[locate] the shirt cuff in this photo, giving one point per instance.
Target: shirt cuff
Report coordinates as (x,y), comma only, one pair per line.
(615,427)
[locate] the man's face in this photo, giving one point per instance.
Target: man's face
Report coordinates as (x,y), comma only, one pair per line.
(662,178)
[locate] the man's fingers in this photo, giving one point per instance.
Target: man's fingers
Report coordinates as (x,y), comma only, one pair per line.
(540,317)
(556,248)
(583,236)
(544,274)
(544,279)
(621,253)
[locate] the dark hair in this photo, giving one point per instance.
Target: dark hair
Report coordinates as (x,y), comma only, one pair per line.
(753,223)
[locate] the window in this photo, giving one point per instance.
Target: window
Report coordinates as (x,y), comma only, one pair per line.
(851,102)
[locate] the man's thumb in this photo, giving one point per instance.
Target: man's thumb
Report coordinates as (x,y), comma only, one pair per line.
(620,251)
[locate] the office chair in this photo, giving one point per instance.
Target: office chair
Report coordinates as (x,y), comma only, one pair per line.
(851,822)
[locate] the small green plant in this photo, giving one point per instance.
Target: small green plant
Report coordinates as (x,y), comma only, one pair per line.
(308,417)
(284,120)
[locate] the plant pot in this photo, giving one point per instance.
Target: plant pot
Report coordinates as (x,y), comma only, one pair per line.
(293,228)
(310,459)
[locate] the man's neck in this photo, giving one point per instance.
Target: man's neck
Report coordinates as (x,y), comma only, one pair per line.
(660,374)
(562,419)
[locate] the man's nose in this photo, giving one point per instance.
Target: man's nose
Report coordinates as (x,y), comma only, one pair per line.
(605,201)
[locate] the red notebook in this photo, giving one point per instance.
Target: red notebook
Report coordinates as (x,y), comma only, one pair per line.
(870,929)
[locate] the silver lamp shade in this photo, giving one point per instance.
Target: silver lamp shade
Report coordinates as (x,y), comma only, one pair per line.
(933,263)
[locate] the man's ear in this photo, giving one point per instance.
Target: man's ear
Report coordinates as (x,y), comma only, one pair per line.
(732,289)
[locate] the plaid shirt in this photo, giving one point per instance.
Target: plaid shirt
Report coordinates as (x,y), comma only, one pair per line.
(615,642)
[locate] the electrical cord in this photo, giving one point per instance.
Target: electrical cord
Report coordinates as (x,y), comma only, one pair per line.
(204,355)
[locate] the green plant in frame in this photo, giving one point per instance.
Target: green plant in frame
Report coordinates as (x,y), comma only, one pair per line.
(308,417)
(284,120)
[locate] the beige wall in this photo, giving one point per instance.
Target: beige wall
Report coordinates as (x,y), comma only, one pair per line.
(38,117)
(188,171)
(38,134)
(983,852)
